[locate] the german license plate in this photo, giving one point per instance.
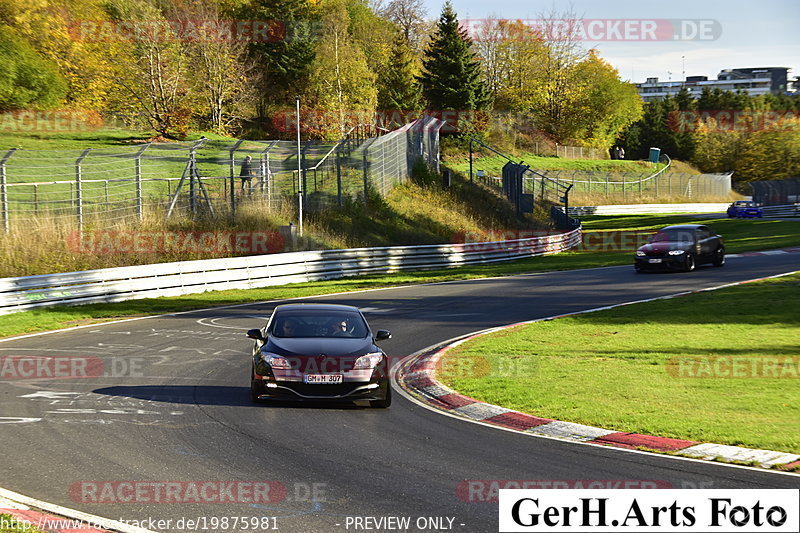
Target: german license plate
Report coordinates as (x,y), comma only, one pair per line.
(654,260)
(323,379)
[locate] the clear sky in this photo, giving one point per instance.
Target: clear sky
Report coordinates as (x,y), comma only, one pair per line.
(752,33)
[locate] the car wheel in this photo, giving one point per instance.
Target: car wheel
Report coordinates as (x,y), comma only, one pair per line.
(719,257)
(690,263)
(256,389)
(387,400)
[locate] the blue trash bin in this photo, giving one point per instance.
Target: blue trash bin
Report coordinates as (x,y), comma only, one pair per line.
(655,154)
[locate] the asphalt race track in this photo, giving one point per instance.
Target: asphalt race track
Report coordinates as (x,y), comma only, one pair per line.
(175,407)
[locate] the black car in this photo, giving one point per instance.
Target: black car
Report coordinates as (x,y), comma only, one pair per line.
(319,352)
(681,248)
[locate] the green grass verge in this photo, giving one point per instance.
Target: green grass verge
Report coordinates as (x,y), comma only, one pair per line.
(79,140)
(613,368)
(493,164)
(741,235)
(9,524)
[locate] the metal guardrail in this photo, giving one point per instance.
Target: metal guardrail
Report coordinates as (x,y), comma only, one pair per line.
(781,210)
(191,277)
(643,209)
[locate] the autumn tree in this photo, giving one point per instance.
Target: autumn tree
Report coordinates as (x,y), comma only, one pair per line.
(28,80)
(409,16)
(62,33)
(341,83)
(221,73)
(607,105)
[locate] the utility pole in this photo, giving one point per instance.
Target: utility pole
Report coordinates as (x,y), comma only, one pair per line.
(299,173)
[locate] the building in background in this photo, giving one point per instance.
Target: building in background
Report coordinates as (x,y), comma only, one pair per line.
(753,81)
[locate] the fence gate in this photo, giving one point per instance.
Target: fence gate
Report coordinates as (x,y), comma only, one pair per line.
(512,187)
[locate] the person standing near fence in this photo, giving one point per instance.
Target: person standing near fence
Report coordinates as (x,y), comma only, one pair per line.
(247,173)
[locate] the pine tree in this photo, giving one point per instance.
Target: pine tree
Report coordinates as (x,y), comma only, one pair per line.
(399,91)
(451,77)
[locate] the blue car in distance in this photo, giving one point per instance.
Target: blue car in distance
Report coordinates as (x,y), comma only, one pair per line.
(744,209)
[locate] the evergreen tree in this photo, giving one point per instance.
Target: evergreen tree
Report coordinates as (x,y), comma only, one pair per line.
(451,77)
(399,89)
(284,59)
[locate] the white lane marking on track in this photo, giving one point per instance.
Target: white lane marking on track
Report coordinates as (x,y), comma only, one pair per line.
(212,322)
(17,420)
(51,395)
(376,309)
(53,349)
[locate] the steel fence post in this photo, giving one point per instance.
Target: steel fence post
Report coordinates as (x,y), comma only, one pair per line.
(78,188)
(339,199)
(4,190)
(139,199)
(623,186)
(366,176)
(192,191)
(232,160)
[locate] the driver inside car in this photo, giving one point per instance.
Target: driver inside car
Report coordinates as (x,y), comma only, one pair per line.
(288,328)
(339,327)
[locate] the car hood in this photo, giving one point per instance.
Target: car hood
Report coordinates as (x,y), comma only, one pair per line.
(332,347)
(664,247)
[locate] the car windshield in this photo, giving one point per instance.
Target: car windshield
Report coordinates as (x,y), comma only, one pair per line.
(318,323)
(743,204)
(673,235)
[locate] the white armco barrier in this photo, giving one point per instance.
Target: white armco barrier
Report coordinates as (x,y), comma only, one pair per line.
(644,209)
(190,277)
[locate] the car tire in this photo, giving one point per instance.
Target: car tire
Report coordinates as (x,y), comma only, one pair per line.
(256,389)
(690,263)
(387,400)
(719,257)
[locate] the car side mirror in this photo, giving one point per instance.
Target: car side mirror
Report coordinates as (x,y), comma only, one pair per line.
(382,335)
(255,334)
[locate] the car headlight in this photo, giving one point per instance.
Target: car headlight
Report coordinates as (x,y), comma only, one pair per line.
(640,253)
(369,360)
(275,361)
(676,252)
